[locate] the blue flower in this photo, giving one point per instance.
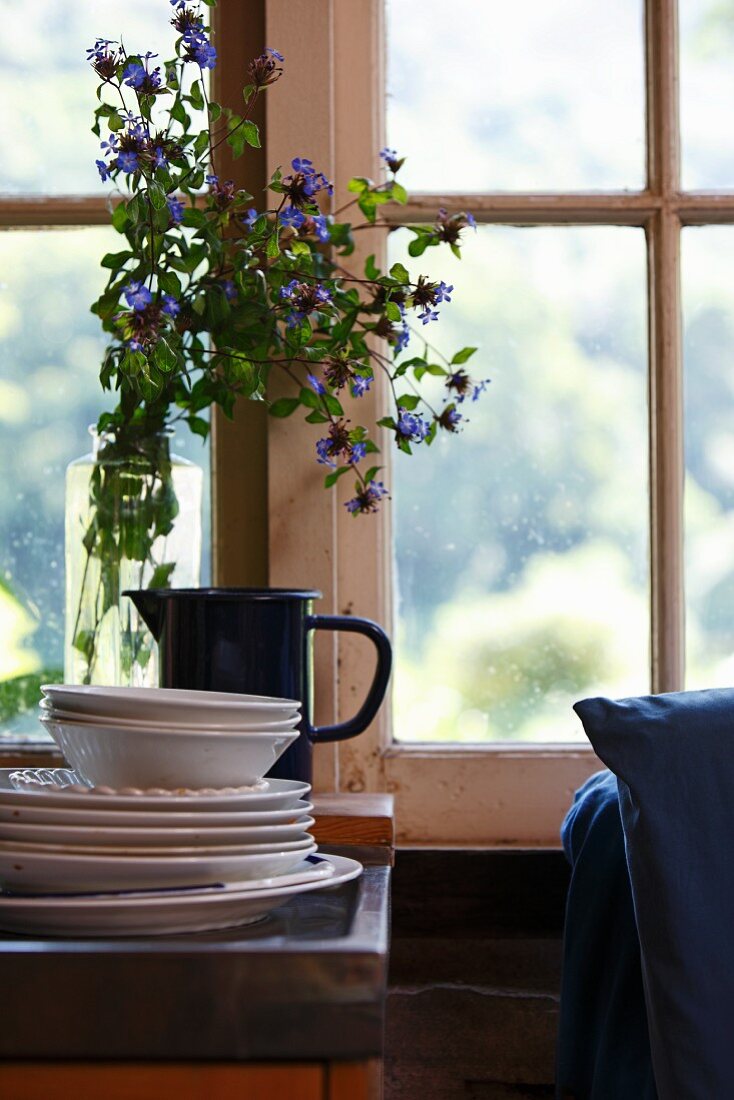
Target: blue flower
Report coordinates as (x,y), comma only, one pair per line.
(367,499)
(317,386)
(250,217)
(411,426)
(159,158)
(175,209)
(479,389)
(199,47)
(321,224)
(323,452)
(137,295)
(230,290)
(291,216)
(360,385)
(428,315)
(171,306)
(109,146)
(133,74)
(104,172)
(302,164)
(274,53)
(392,160)
(134,345)
(359,450)
(128,162)
(211,180)
(403,338)
(471,220)
(443,292)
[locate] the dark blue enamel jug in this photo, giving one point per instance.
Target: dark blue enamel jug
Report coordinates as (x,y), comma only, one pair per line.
(258,641)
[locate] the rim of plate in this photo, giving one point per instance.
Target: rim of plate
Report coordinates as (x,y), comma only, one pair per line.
(172,697)
(191,855)
(345,869)
(55,714)
(206,798)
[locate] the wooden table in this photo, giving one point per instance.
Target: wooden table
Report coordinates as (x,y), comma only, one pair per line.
(289,1009)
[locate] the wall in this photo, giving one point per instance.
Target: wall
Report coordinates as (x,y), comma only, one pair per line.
(475,975)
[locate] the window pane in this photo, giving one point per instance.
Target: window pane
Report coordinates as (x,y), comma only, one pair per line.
(522,545)
(50,348)
(522,96)
(45,143)
(707,90)
(708,315)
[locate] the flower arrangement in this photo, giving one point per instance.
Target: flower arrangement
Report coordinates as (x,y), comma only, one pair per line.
(214,289)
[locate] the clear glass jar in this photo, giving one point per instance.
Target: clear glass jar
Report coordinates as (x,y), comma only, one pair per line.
(133,520)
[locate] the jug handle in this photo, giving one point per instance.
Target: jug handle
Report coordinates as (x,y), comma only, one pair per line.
(343,730)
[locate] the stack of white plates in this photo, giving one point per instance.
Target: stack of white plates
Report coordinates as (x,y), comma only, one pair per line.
(163,823)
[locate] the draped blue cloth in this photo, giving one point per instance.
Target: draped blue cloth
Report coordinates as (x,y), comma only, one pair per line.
(603,1043)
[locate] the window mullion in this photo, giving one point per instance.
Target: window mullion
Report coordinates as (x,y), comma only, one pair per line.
(666,370)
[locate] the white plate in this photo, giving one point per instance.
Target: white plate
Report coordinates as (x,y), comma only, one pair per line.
(273,794)
(147,854)
(65,872)
(161,913)
(244,726)
(155,757)
(153,836)
(197,820)
(172,704)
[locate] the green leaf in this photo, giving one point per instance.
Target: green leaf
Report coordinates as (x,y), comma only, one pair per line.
(359,184)
(119,217)
(202,143)
(272,249)
(164,356)
(252,134)
(193,218)
(418,246)
(373,472)
(392,312)
(178,112)
(463,355)
(398,193)
(333,477)
(157,195)
(115,121)
(408,401)
(400,273)
(162,575)
(371,269)
(284,406)
(169,283)
(115,260)
(196,96)
(198,426)
(316,417)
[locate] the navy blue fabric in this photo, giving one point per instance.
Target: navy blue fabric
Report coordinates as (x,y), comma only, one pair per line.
(674,759)
(603,1043)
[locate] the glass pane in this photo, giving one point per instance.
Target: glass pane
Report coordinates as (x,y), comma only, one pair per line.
(50,347)
(707,90)
(708,317)
(522,96)
(45,143)
(527,588)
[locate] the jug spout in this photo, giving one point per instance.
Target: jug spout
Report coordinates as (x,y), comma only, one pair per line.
(151,607)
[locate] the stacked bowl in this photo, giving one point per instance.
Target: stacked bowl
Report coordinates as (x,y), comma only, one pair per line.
(163,822)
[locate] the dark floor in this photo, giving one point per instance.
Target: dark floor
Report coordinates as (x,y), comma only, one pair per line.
(475,975)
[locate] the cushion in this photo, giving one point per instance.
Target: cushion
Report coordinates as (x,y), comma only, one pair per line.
(673,756)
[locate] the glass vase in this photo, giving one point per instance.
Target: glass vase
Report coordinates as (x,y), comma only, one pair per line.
(133,520)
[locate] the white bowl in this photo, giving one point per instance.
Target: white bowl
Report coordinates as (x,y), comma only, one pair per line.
(245,725)
(155,757)
(168,704)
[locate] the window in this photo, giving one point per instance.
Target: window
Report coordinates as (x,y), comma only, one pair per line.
(54,215)
(567,147)
(604,182)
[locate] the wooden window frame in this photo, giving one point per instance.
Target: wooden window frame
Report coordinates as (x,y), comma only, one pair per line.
(272,521)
